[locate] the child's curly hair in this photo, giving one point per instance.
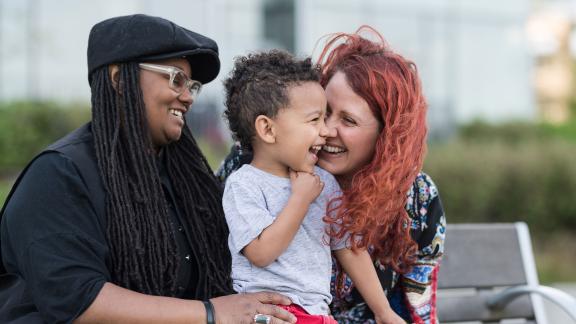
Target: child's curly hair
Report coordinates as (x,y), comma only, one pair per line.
(258,85)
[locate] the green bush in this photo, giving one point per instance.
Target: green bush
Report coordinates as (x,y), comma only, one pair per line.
(5,186)
(514,172)
(510,133)
(27,127)
(498,182)
(517,132)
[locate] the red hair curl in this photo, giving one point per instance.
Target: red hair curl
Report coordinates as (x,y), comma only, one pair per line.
(372,208)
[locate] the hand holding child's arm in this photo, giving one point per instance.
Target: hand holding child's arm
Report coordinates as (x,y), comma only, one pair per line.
(358,265)
(275,238)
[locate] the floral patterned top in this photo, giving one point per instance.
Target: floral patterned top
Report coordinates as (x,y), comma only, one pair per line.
(412,295)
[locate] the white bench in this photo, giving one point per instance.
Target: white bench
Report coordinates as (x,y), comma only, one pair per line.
(488,274)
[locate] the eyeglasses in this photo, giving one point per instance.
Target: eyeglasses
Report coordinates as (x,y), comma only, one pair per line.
(179,81)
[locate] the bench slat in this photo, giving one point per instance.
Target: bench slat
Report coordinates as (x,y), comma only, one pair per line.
(481,256)
(473,308)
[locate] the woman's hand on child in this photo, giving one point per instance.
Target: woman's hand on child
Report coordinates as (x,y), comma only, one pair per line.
(241,308)
(306,186)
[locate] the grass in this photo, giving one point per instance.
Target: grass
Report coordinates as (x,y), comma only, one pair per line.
(555,257)
(214,154)
(5,186)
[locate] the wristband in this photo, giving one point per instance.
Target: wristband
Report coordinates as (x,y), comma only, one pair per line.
(210,318)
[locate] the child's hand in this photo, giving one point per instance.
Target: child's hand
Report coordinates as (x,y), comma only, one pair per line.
(305,185)
(389,317)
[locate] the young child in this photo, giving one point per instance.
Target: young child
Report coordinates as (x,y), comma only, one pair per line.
(275,205)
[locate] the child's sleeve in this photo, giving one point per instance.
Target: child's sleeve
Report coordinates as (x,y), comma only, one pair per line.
(246,214)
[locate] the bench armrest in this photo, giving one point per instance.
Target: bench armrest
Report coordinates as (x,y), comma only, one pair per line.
(558,297)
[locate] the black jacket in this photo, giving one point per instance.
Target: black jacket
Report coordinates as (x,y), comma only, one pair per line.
(53,236)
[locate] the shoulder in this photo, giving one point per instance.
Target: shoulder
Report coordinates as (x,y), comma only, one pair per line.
(331,186)
(51,174)
(324,175)
(421,196)
(243,183)
(63,173)
(80,136)
(49,197)
(50,163)
(423,188)
(244,176)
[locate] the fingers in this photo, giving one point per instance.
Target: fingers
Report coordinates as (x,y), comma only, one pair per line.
(279,315)
(241,308)
(268,297)
(318,180)
(293,174)
(269,301)
(275,320)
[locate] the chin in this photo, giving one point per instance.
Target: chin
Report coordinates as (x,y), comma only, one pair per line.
(326,166)
(175,138)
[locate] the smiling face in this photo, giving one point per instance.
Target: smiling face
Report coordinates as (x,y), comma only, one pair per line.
(165,108)
(353,131)
(299,132)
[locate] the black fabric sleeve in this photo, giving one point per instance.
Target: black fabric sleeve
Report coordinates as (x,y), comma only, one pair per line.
(434,223)
(233,161)
(53,239)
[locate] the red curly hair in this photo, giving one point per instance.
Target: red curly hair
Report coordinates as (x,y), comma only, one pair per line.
(372,208)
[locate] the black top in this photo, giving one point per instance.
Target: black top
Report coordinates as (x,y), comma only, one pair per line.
(53,236)
(188,278)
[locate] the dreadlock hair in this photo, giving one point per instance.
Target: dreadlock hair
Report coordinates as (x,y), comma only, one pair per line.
(143,249)
(258,85)
(373,206)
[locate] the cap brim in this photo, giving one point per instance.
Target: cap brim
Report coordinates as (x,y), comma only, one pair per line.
(204,63)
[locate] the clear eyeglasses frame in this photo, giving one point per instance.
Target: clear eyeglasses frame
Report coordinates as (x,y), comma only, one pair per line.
(178,81)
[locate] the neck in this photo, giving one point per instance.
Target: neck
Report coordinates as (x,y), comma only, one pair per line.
(345,181)
(156,150)
(265,162)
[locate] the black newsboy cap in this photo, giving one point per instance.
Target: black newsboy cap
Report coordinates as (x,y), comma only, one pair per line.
(139,38)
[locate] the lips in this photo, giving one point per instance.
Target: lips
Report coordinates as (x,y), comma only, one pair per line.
(333,149)
(176,112)
(315,149)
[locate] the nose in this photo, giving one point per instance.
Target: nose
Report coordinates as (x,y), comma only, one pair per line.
(186,98)
(323,129)
(330,128)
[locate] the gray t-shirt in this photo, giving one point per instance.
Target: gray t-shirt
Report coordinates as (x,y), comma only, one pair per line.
(252,200)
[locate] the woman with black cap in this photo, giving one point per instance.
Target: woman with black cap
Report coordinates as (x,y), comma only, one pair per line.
(121,220)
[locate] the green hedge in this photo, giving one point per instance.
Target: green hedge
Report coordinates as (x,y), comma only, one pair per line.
(514,172)
(28,127)
(498,182)
(508,173)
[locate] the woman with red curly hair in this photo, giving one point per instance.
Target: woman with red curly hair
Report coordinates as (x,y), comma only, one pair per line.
(375,149)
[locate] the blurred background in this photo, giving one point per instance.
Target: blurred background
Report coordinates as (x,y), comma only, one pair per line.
(499,77)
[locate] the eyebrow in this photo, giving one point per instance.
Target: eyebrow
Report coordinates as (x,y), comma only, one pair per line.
(319,112)
(349,113)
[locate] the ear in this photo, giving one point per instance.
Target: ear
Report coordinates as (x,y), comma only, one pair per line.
(114,72)
(265,129)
